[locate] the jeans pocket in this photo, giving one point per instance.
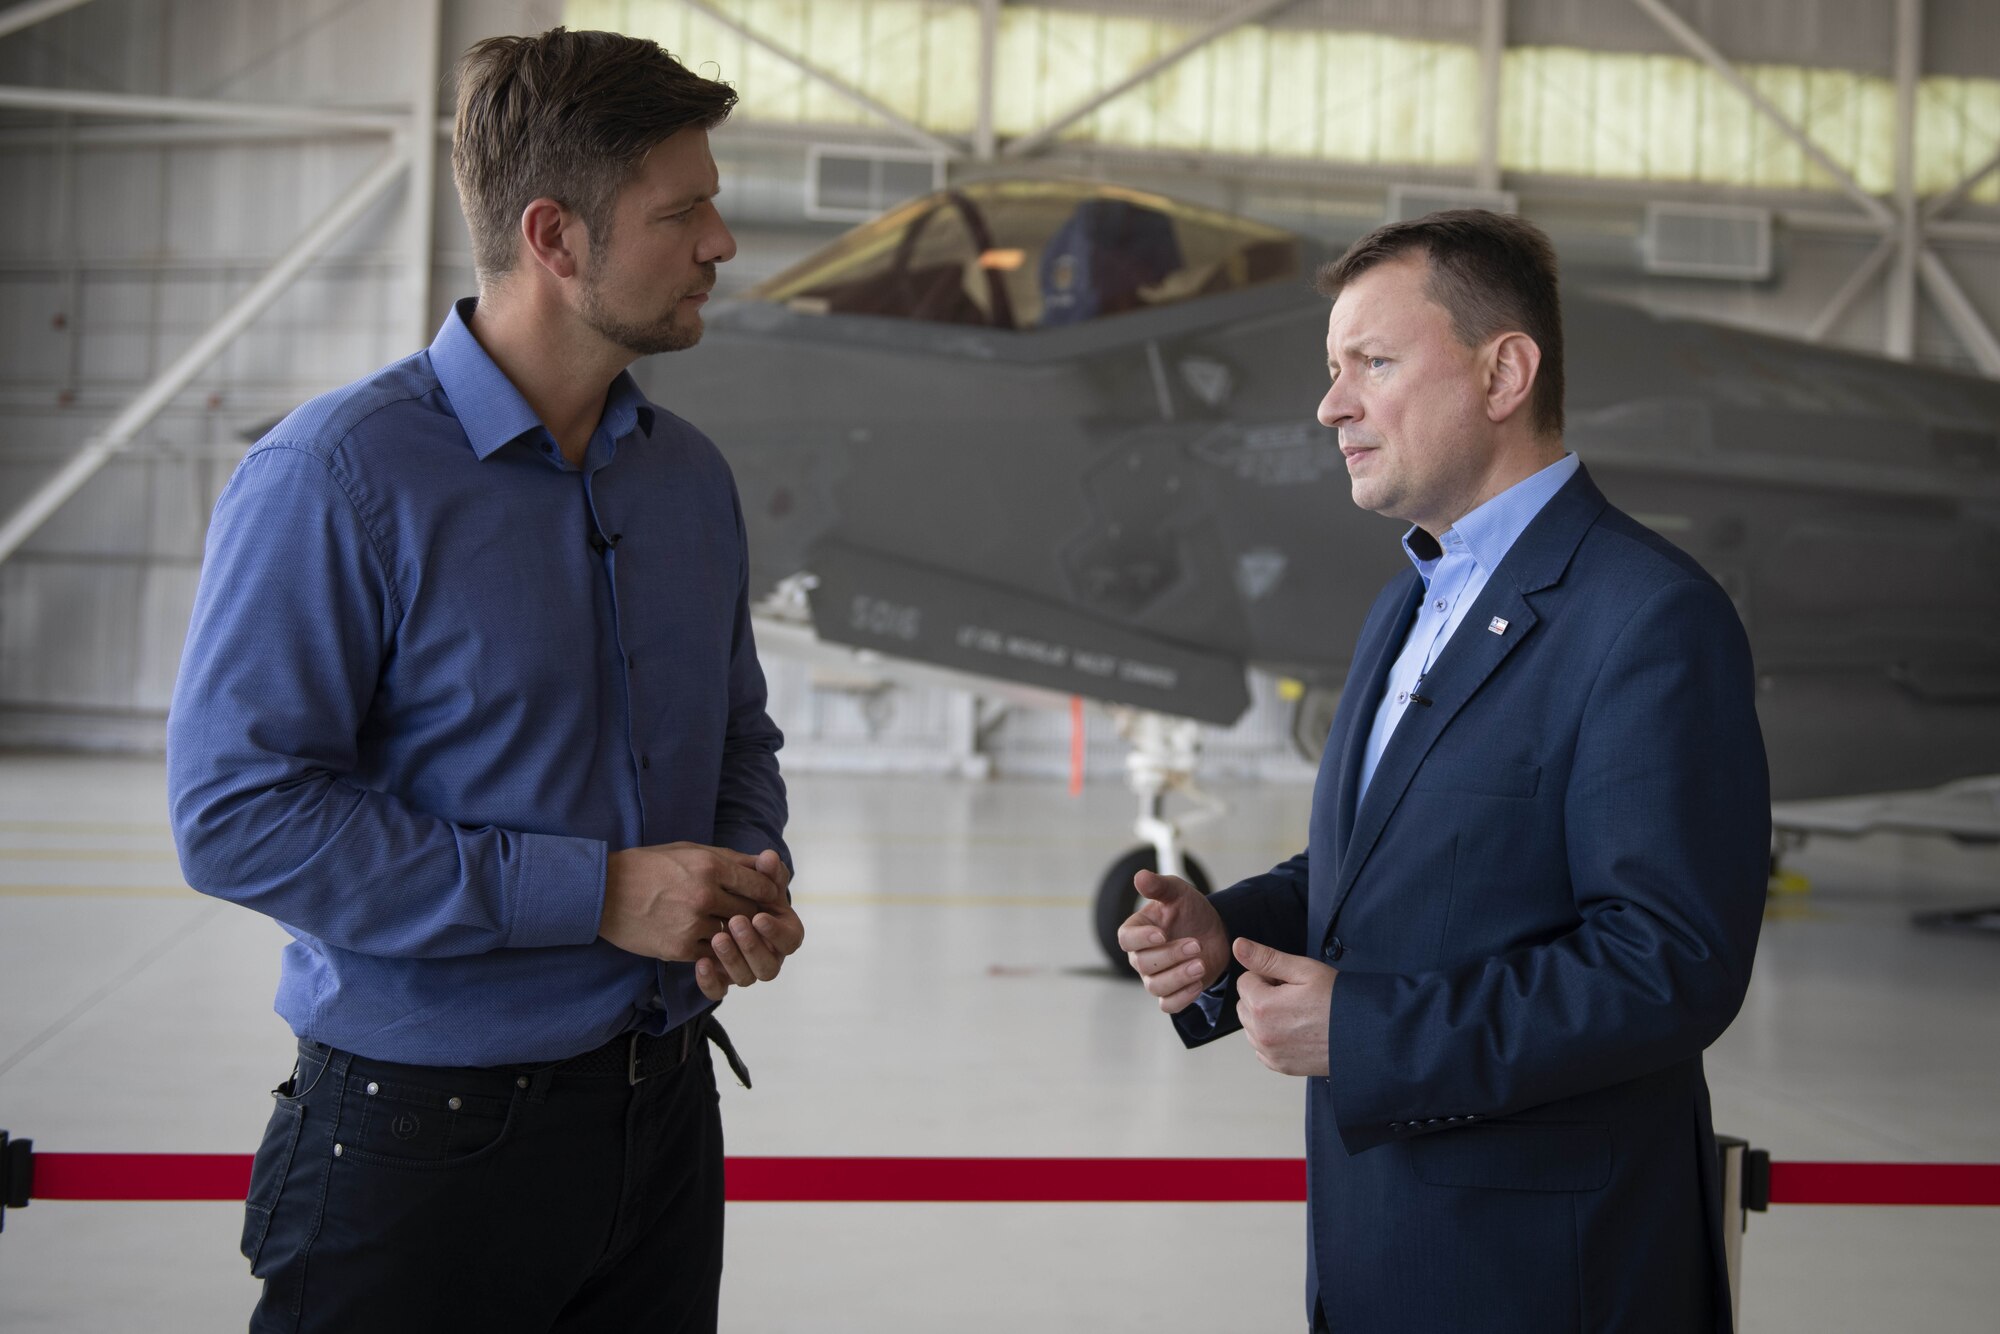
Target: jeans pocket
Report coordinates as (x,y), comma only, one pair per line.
(268,1171)
(409,1124)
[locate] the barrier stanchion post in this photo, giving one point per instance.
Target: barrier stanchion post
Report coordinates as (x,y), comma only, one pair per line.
(17,1174)
(1746,1185)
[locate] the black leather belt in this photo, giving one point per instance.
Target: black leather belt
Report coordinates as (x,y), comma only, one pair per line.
(637,1057)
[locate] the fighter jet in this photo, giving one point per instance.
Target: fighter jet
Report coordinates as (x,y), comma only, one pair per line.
(1059,436)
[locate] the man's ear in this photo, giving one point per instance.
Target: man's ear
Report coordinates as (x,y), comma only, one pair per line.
(553,237)
(1513,361)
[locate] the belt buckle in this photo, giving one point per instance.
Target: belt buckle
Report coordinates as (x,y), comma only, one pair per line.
(632,1075)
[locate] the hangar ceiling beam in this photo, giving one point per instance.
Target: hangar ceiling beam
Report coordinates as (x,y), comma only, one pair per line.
(1492,49)
(1249,12)
(1679,29)
(983,144)
(422,143)
(902,124)
(188,108)
(1900,326)
(1960,313)
(98,450)
(33,12)
(1857,283)
(1955,196)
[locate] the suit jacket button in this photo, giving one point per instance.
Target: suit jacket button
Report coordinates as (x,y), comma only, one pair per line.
(1334,950)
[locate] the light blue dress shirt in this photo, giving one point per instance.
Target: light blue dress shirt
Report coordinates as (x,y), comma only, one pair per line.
(1454,569)
(1467,555)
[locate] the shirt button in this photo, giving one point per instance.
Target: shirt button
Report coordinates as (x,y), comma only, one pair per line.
(1439,604)
(1402,697)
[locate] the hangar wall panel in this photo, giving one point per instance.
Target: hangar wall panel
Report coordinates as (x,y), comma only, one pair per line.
(113,255)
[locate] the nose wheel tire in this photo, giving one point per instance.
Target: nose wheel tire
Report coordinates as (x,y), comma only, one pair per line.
(1117,900)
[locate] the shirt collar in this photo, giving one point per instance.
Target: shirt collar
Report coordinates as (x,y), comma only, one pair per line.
(491,410)
(1489,532)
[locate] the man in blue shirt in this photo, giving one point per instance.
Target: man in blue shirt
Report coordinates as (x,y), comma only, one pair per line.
(1535,868)
(470,705)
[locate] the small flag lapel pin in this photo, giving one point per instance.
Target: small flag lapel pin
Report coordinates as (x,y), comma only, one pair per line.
(1497,625)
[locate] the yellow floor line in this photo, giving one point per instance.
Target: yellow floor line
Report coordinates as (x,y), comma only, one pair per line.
(80,827)
(84,855)
(884,899)
(96,892)
(1109,841)
(944,900)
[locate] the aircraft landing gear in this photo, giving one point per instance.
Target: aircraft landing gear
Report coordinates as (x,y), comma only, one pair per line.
(1783,883)
(1164,753)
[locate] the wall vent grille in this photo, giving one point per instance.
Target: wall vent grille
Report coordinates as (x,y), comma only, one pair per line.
(1413,201)
(855,184)
(1706,241)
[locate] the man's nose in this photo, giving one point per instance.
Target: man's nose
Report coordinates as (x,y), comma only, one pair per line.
(1335,409)
(719,246)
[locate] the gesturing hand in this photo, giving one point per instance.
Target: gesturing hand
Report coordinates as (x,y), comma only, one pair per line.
(670,900)
(1282,1001)
(1176,941)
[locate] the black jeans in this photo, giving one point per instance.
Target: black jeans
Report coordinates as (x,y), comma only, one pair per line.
(398,1197)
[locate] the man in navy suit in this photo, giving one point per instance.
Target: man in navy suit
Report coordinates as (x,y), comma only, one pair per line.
(1536,864)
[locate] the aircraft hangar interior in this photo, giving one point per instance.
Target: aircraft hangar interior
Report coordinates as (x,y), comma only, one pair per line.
(1054,549)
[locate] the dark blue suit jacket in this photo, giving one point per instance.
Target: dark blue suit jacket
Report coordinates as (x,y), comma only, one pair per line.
(1542,911)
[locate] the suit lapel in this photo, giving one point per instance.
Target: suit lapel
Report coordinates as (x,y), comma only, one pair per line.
(1340,767)
(1373,661)
(1536,561)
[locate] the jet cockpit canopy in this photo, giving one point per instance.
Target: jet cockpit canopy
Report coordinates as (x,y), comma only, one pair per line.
(1030,254)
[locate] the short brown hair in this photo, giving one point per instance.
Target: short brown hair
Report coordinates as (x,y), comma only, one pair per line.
(566,115)
(1492,272)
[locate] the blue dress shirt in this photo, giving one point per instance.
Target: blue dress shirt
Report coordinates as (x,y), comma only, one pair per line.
(434,674)
(1454,569)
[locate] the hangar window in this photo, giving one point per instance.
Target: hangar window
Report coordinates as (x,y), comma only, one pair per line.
(1034,254)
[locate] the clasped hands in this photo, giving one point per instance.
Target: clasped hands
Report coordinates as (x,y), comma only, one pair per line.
(1178,945)
(726,912)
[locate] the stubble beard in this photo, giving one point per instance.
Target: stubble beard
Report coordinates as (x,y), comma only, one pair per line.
(673,332)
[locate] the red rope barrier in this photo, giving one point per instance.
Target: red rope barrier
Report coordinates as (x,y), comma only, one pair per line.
(1015,1180)
(1885,1183)
(224,1176)
(142,1176)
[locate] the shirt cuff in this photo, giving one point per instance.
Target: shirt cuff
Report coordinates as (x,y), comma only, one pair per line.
(1211,1001)
(558,891)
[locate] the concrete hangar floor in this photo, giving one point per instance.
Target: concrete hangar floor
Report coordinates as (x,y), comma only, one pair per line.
(950,1002)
